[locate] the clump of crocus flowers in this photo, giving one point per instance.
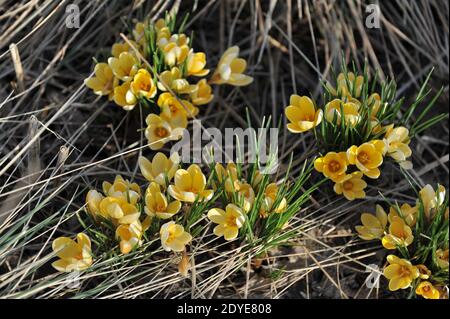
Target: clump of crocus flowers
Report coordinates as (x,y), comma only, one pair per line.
(356,129)
(157,67)
(416,238)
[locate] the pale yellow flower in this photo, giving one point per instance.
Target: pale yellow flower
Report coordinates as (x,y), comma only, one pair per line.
(119,210)
(442,258)
(161,169)
(93,199)
(396,141)
(347,85)
(120,47)
(156,204)
(196,63)
(159,131)
(104,81)
(246,196)
(121,92)
(175,49)
(74,255)
(408,213)
(173,80)
(400,234)
(174,111)
(352,187)
(338,109)
(227,176)
(230,69)
(124,67)
(431,199)
(374,102)
(122,189)
(333,165)
(229,221)
(400,273)
(427,290)
(142,85)
(139,32)
(130,236)
(302,114)
(270,197)
(203,93)
(373,227)
(174,237)
(367,157)
(190,185)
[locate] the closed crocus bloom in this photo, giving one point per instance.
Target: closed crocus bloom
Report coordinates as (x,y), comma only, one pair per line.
(229,221)
(396,141)
(302,114)
(161,169)
(400,273)
(93,199)
(350,85)
(124,97)
(123,189)
(142,85)
(173,80)
(270,197)
(227,176)
(336,109)
(119,210)
(103,82)
(139,32)
(246,196)
(196,63)
(190,185)
(130,236)
(174,237)
(373,227)
(431,199)
(352,187)
(156,204)
(407,212)
(374,102)
(230,69)
(120,47)
(73,255)
(442,258)
(159,131)
(424,272)
(203,93)
(176,49)
(427,290)
(367,157)
(333,165)
(399,234)
(124,67)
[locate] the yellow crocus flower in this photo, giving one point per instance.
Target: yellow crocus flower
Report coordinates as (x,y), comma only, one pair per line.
(230,69)
(352,87)
(408,213)
(374,102)
(427,290)
(349,110)
(400,234)
(400,273)
(367,157)
(93,199)
(124,97)
(190,185)
(124,67)
(142,85)
(424,272)
(104,81)
(202,95)
(174,237)
(229,221)
(159,131)
(173,80)
(352,187)
(302,114)
(156,204)
(431,199)
(161,169)
(333,165)
(246,195)
(130,236)
(227,176)
(442,258)
(373,227)
(196,63)
(396,141)
(175,111)
(119,210)
(175,49)
(122,189)
(73,255)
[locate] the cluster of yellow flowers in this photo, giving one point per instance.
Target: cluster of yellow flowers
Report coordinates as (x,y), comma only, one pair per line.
(157,67)
(404,229)
(349,107)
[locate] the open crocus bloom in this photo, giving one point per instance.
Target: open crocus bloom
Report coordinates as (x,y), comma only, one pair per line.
(122,189)
(103,82)
(407,212)
(302,114)
(142,85)
(396,141)
(231,68)
(74,255)
(202,95)
(333,165)
(229,221)
(159,131)
(156,204)
(400,273)
(427,290)
(130,236)
(337,109)
(124,67)
(173,80)
(373,227)
(174,237)
(190,185)
(120,96)
(161,169)
(367,157)
(400,234)
(352,187)
(119,210)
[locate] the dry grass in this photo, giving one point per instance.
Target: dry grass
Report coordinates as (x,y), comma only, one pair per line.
(57,139)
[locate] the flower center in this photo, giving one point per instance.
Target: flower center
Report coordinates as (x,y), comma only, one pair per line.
(348,185)
(426,288)
(363,158)
(145,86)
(334,166)
(404,271)
(161,132)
